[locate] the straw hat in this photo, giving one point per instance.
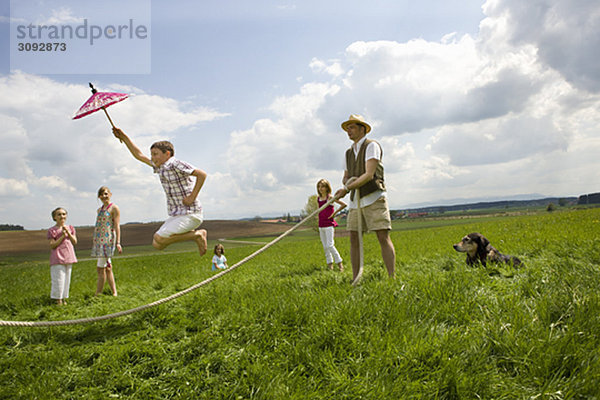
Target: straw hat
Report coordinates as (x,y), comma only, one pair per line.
(356,119)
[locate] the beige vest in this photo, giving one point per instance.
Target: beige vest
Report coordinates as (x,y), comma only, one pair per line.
(356,166)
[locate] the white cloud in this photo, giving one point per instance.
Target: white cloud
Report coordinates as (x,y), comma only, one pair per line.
(498,140)
(161,114)
(60,16)
(397,155)
(564,33)
(286,7)
(54,183)
(8,20)
(13,188)
(419,84)
(274,154)
(333,68)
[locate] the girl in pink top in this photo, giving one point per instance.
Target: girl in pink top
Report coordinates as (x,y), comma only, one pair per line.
(327,223)
(62,255)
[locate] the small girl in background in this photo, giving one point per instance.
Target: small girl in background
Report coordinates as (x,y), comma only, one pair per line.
(107,237)
(219,261)
(327,223)
(62,237)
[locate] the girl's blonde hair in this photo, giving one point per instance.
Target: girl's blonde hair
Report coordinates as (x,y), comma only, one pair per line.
(222,248)
(327,185)
(102,189)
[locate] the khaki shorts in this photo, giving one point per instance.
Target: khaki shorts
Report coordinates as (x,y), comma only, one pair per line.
(375,217)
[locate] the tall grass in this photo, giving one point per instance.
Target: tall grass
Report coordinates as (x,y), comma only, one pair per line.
(284,327)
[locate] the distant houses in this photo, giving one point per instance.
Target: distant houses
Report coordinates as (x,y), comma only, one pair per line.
(274,221)
(416,214)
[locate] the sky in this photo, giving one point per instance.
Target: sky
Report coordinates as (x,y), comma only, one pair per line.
(470,100)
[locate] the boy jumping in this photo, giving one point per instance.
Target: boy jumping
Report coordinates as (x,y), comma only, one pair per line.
(185,211)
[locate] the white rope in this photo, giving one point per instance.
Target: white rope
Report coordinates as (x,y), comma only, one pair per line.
(239,241)
(361,253)
(172,297)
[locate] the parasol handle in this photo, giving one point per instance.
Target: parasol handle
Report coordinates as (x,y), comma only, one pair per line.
(109,120)
(108,116)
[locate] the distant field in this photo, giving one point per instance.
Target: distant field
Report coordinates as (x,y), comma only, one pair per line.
(19,242)
(282,326)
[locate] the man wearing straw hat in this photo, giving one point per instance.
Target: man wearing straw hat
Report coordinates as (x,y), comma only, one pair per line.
(363,179)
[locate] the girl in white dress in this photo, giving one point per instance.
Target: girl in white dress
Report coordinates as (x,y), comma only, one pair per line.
(107,238)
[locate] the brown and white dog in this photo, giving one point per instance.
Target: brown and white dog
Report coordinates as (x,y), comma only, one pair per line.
(479,249)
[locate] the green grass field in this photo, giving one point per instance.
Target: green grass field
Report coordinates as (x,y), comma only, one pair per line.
(283,327)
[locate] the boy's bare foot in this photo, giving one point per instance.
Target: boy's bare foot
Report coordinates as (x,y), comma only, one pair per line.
(341,266)
(330,266)
(201,241)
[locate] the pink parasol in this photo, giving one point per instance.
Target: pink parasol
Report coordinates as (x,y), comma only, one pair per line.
(99,101)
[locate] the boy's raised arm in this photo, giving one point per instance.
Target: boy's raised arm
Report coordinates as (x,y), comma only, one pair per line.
(133,149)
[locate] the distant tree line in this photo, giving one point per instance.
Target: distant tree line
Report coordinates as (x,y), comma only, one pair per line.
(593,198)
(8,227)
(495,204)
